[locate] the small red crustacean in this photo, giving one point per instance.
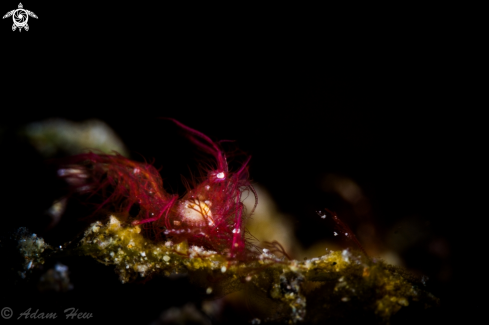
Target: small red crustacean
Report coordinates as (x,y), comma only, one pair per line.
(210,214)
(342,228)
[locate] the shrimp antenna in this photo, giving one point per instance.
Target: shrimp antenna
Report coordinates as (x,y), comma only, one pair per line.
(276,247)
(213,149)
(252,189)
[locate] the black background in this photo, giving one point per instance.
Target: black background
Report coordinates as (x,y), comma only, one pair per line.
(376,94)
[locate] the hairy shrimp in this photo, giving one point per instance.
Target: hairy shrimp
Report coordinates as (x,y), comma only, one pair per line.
(210,214)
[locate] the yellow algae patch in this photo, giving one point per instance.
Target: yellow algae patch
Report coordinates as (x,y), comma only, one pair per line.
(335,281)
(133,254)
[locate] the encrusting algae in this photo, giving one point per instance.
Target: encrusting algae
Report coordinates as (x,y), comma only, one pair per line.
(312,290)
(135,255)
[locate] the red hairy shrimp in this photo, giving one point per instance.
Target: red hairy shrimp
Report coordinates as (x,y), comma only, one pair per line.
(342,228)
(210,214)
(214,208)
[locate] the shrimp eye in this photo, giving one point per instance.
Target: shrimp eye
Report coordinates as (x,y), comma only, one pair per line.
(217,176)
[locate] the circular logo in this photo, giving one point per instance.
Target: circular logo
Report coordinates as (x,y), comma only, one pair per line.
(6,312)
(20,17)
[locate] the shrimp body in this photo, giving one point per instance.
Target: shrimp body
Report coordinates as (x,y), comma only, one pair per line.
(210,214)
